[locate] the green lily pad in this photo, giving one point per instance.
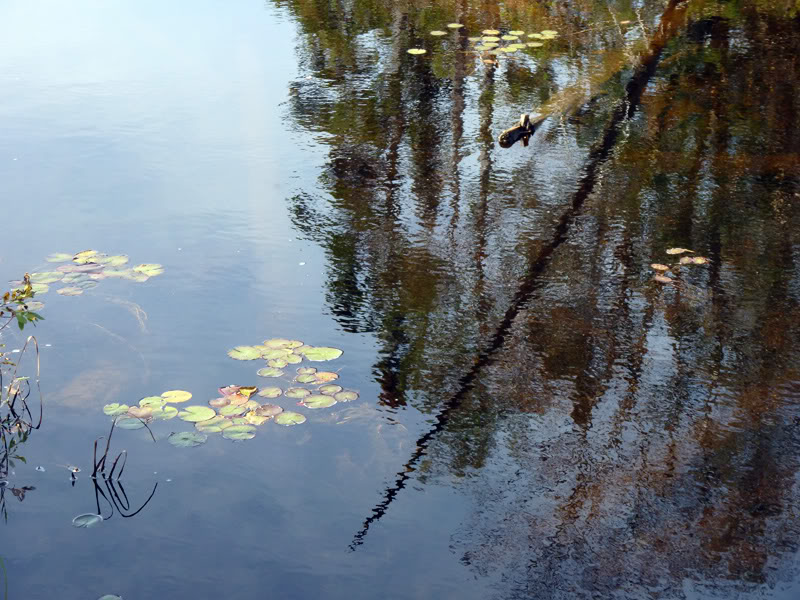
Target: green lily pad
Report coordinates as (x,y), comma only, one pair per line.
(112,261)
(306,371)
(509,38)
(137,276)
(268,410)
(165,413)
(256,419)
(247,390)
(187,439)
(275,353)
(149,269)
(86,256)
(239,432)
(46,277)
(75,277)
(455,25)
(212,425)
(305,379)
(330,389)
(282,343)
(239,421)
(245,353)
(272,391)
(346,396)
(549,32)
(251,404)
(491,38)
(537,36)
(490,31)
(152,401)
(416,51)
(437,33)
(87,520)
(293,359)
(516,32)
(194,414)
(232,410)
(277,363)
(115,409)
(289,417)
(297,392)
(269,372)
(123,273)
(322,353)
(130,423)
(319,401)
(58,257)
(176,396)
(535,44)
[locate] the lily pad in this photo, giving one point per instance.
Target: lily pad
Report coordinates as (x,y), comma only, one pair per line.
(194,414)
(346,396)
(245,353)
(275,353)
(236,399)
(678,250)
(110,597)
(149,269)
(282,343)
(289,417)
(685,260)
(112,261)
(165,413)
(74,277)
(115,409)
(232,410)
(176,396)
(86,284)
(87,520)
(659,267)
(491,38)
(152,401)
(70,291)
(58,257)
(229,390)
(187,439)
(85,256)
(270,372)
(325,376)
(278,363)
(79,268)
(549,32)
(306,371)
(268,410)
(516,32)
(297,392)
(256,419)
(662,279)
(455,25)
(248,390)
(219,402)
(293,359)
(537,36)
(46,277)
(305,379)
(212,425)
(130,423)
(509,38)
(319,401)
(416,51)
(322,353)
(330,389)
(535,44)
(272,391)
(490,31)
(141,412)
(699,260)
(239,432)
(438,32)
(239,421)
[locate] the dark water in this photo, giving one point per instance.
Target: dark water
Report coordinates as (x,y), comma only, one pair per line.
(538,417)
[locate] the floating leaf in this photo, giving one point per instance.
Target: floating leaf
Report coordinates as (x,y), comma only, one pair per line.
(282,343)
(297,392)
(537,36)
(239,432)
(268,410)
(490,31)
(659,267)
(110,597)
(322,353)
(58,257)
(152,401)
(112,261)
(305,379)
(685,260)
(75,277)
(319,401)
(245,353)
(35,305)
(46,277)
(516,32)
(219,402)
(239,421)
(535,44)
(79,268)
(229,390)
(165,412)
(255,419)
(270,372)
(277,363)
(416,51)
(149,269)
(117,272)
(662,279)
(176,396)
(473,39)
(87,520)
(678,250)
(330,389)
(292,359)
(455,25)
(130,423)
(237,399)
(275,353)
(232,410)
(346,396)
(306,371)
(437,32)
(251,404)
(509,38)
(509,50)
(142,412)
(212,425)
(187,439)
(86,284)
(699,260)
(549,32)
(289,417)
(325,376)
(248,390)
(115,409)
(135,276)
(270,392)
(194,414)
(491,38)
(85,256)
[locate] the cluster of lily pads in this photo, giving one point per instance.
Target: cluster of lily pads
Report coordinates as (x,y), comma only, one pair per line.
(236,413)
(85,269)
(662,269)
(494,42)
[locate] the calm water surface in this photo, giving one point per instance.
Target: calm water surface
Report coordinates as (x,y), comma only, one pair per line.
(538,417)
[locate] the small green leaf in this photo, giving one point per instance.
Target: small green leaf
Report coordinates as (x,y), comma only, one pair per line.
(194,414)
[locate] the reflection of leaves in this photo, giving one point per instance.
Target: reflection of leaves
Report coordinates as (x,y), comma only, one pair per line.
(20,492)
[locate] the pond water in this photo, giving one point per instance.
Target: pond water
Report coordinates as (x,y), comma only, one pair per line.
(538,417)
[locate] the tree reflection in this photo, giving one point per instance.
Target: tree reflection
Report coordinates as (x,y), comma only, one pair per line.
(617,434)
